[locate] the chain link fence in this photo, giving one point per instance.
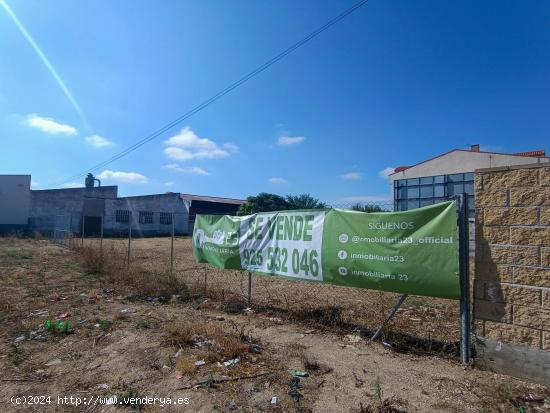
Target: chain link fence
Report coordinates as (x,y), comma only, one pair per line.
(161,242)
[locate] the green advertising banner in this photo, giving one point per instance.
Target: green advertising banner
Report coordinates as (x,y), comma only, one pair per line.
(412,252)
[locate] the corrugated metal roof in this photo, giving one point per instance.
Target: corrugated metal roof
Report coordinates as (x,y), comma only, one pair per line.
(191,197)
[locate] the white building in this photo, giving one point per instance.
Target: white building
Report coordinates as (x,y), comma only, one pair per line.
(450,174)
(15,192)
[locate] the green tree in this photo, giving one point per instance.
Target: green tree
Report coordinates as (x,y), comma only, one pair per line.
(367,208)
(263,202)
(304,201)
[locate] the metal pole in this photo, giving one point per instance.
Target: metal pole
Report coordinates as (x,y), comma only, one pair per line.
(249,288)
(172,248)
(463,246)
(82,234)
(129,239)
(101,237)
(390,316)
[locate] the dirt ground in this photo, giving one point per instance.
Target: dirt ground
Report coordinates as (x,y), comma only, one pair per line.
(204,345)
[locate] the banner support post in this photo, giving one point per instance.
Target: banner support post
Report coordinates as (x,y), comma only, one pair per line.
(129,239)
(465,350)
(101,237)
(82,235)
(172,248)
(392,313)
(249,288)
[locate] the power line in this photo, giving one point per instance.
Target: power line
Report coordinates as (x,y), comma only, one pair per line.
(223,92)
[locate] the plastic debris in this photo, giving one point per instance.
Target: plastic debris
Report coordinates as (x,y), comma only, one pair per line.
(294,392)
(53,362)
(247,311)
(353,338)
(199,363)
(59,326)
(231,362)
(274,401)
(38,313)
(254,348)
(19,339)
(296,395)
(102,386)
(300,373)
(63,315)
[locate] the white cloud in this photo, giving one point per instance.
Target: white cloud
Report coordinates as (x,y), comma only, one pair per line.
(290,140)
(188,145)
(169,183)
(231,147)
(195,170)
(277,181)
(72,185)
(386,172)
(352,176)
(98,141)
(124,177)
(50,126)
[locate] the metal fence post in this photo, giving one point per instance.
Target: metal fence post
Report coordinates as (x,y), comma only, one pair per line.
(465,350)
(82,234)
(129,239)
(101,237)
(249,288)
(172,248)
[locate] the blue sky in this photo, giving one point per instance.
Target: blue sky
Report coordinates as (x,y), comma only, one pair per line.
(394,83)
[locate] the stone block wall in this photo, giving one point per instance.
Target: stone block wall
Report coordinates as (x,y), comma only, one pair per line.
(512,260)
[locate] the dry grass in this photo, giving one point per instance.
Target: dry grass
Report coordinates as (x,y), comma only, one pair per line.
(433,321)
(227,343)
(137,280)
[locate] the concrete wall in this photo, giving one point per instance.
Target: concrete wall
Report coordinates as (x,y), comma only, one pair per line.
(459,161)
(170,203)
(14,200)
(512,268)
(61,208)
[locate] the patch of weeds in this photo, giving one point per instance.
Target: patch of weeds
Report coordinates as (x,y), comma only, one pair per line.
(130,397)
(18,254)
(182,333)
(416,303)
(329,316)
(35,291)
(310,363)
(378,392)
(508,392)
(105,324)
(143,323)
(382,405)
(234,305)
(15,355)
(185,366)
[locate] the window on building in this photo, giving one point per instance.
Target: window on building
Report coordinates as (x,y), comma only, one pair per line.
(417,192)
(145,217)
(166,218)
(122,215)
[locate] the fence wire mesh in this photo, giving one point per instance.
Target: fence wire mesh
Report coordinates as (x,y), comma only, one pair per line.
(139,248)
